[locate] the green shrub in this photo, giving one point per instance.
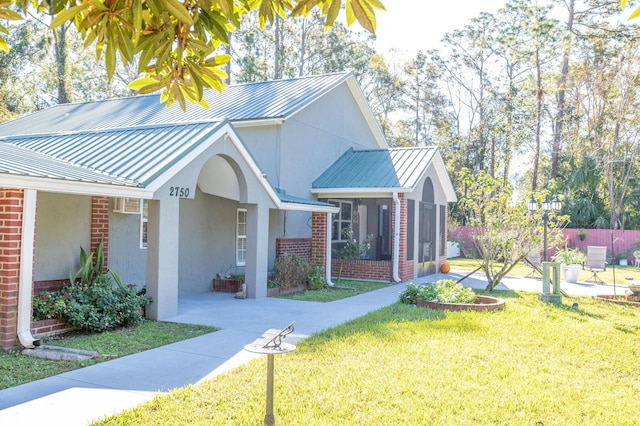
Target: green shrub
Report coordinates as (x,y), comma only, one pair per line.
(449,291)
(445,291)
(101,306)
(428,291)
(315,280)
(93,300)
(291,271)
(409,295)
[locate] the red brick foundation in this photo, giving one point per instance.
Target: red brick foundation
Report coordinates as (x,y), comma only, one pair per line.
(379,270)
(50,285)
(301,247)
(49,327)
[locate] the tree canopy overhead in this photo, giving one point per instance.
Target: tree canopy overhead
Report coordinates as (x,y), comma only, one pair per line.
(177,40)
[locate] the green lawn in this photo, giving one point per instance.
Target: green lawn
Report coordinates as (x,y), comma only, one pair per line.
(16,368)
(530,364)
(621,272)
(342,290)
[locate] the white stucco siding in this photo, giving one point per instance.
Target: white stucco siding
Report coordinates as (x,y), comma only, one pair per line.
(296,152)
(276,220)
(315,137)
(207,241)
(298,224)
(264,144)
(63,225)
(125,255)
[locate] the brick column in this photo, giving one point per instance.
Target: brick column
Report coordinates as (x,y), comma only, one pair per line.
(11,202)
(319,239)
(405,268)
(100,226)
(443,256)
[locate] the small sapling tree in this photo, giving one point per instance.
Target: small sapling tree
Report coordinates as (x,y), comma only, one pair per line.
(505,232)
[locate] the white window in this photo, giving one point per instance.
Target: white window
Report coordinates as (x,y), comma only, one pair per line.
(341,220)
(144,210)
(241,237)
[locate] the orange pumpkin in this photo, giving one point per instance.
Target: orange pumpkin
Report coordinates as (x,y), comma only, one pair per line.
(445,268)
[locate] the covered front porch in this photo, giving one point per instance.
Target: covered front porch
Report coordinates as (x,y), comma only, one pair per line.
(393,213)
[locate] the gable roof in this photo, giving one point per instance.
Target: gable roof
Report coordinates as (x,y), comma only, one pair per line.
(131,162)
(242,104)
(393,169)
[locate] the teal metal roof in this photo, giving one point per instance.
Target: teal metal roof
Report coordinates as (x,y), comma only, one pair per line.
(286,198)
(277,99)
(19,161)
(131,156)
(377,168)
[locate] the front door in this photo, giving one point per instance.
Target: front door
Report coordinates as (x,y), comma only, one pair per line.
(427,239)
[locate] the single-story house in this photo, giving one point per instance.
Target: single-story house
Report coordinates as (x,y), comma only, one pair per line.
(178,197)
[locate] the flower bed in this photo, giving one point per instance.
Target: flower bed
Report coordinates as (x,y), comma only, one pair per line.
(620,300)
(482,303)
(277,291)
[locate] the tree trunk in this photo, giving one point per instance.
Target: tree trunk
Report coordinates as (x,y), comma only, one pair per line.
(276,62)
(228,52)
(562,83)
(536,154)
(303,42)
(60,46)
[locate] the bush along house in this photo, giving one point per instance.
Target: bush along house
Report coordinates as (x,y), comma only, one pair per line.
(288,166)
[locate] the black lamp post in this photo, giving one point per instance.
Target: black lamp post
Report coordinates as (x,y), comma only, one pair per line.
(547,206)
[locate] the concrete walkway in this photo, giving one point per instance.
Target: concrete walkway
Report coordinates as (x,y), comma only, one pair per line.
(81,396)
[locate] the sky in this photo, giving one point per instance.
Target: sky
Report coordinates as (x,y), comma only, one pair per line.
(412,25)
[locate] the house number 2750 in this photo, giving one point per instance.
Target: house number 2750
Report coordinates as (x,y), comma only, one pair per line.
(178,191)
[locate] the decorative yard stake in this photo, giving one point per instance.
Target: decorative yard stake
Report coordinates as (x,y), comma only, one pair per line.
(272,347)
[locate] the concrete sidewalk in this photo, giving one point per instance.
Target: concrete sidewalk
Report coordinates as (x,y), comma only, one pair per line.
(81,396)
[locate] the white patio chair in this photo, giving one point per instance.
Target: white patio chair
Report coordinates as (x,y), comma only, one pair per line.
(636,255)
(596,262)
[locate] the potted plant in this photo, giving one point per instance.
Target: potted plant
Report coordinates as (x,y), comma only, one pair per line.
(571,260)
(228,282)
(582,234)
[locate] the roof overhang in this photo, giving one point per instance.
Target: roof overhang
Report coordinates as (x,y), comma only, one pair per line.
(309,207)
(73,187)
(259,122)
(444,178)
(358,192)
